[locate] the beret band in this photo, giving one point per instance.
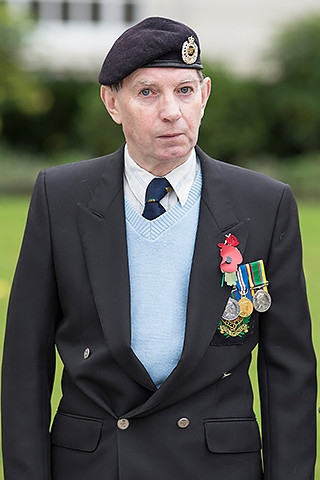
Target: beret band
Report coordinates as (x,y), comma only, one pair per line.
(153,42)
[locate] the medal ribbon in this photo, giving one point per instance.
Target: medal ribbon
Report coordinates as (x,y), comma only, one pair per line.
(256,276)
(243,283)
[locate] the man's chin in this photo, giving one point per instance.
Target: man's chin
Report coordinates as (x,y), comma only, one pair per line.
(174,153)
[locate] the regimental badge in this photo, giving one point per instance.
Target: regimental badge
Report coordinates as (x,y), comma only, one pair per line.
(189,51)
(234,328)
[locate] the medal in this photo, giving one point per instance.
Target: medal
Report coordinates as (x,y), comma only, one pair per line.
(261,301)
(231,311)
(243,294)
(246,307)
(258,284)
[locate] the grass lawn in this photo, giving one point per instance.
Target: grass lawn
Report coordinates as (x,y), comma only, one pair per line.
(12,218)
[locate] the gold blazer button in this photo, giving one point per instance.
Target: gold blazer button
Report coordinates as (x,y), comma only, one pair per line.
(183,422)
(123,423)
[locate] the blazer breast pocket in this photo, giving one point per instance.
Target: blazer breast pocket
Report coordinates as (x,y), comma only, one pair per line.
(235,332)
(74,432)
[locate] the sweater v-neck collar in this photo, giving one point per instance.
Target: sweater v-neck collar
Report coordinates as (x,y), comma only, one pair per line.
(152,229)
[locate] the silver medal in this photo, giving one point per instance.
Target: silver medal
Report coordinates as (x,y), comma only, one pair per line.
(261,301)
(232,310)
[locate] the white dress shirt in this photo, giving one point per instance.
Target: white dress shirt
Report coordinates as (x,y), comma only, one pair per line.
(136,181)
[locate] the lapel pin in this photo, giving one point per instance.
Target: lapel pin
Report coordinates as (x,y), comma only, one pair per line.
(231,258)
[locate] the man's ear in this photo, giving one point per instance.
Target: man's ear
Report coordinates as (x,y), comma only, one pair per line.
(205,93)
(109,98)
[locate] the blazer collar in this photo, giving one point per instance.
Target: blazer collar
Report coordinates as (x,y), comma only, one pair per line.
(103,232)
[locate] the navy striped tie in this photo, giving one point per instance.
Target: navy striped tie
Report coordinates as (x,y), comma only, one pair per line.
(156,190)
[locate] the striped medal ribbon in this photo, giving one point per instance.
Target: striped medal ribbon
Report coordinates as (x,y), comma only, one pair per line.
(258,284)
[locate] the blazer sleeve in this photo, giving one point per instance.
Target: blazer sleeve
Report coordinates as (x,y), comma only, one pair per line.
(287,376)
(29,352)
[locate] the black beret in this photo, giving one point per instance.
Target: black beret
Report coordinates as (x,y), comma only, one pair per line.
(153,42)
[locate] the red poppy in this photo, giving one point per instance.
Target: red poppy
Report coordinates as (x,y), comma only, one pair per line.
(231,256)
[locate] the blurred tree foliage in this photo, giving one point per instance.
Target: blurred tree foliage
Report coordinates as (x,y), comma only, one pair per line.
(296,52)
(234,126)
(20,91)
(276,115)
(95,123)
(293,98)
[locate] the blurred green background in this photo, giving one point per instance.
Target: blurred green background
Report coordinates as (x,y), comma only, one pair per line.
(268,122)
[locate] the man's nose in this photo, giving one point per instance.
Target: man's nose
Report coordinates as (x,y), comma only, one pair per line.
(170,108)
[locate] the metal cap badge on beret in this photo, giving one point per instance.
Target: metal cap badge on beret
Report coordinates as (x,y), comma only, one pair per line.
(153,42)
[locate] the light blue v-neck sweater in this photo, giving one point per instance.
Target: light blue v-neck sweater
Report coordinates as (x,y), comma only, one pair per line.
(160,255)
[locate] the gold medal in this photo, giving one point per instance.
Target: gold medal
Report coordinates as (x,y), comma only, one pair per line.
(246,307)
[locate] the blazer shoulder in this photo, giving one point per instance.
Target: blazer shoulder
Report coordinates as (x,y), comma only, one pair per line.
(80,179)
(240,179)
(89,168)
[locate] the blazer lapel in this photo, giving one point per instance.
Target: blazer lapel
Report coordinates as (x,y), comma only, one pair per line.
(103,233)
(207,299)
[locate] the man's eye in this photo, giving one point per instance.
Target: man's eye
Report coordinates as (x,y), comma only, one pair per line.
(145,92)
(185,90)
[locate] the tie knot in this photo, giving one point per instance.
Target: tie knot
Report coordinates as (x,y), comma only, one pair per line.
(156,190)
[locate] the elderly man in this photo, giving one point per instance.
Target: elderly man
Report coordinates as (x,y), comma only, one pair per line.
(156,270)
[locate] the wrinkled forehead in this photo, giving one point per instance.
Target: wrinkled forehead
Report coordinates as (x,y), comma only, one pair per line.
(162,76)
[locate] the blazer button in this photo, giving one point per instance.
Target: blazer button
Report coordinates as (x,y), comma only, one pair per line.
(123,423)
(86,353)
(183,422)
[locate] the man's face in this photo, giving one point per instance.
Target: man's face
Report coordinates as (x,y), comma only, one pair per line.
(160,110)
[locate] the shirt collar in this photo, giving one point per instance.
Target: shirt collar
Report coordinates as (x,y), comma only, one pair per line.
(181,178)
